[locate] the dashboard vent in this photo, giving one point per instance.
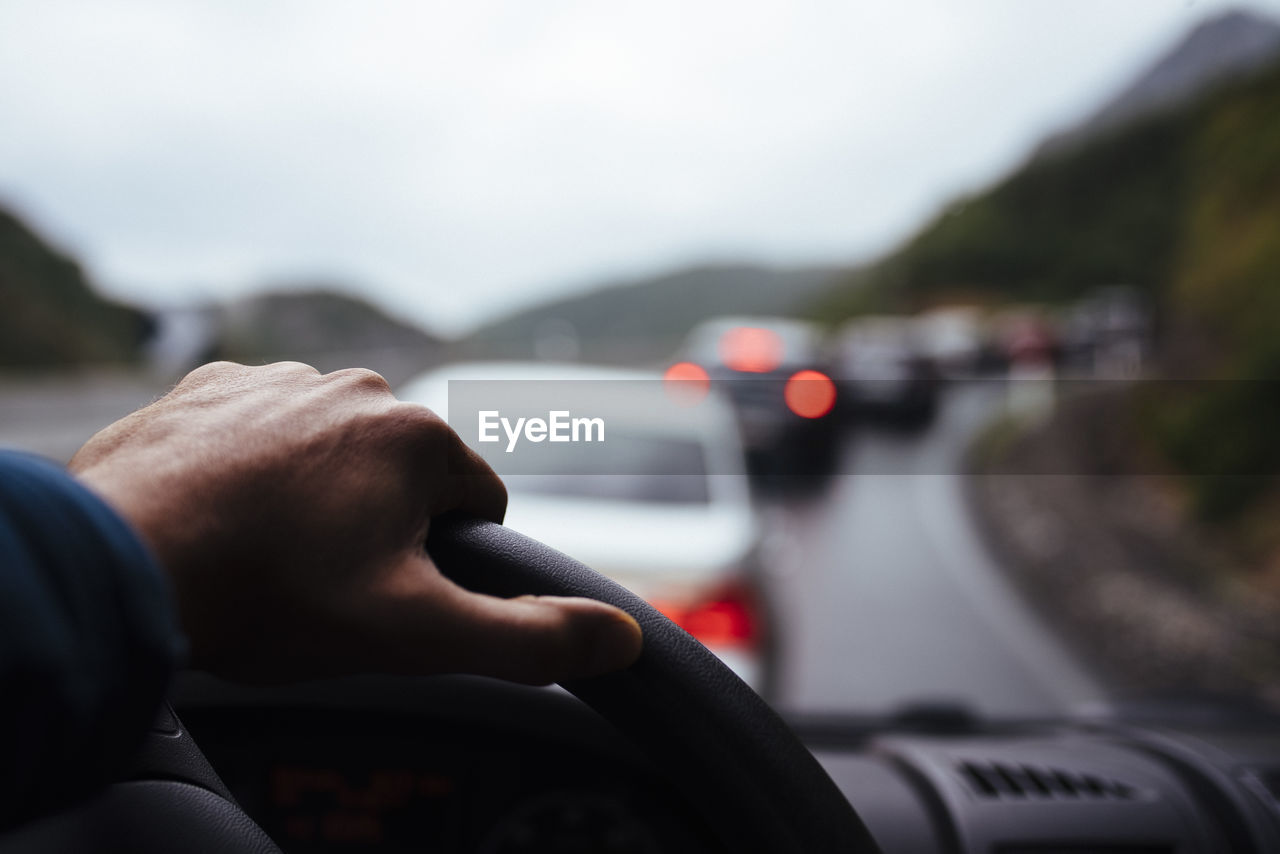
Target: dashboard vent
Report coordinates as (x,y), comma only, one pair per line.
(1020,782)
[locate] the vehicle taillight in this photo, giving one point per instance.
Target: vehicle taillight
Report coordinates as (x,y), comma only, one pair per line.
(686,383)
(751,350)
(727,618)
(810,394)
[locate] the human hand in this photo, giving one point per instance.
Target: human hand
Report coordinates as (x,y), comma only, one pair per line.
(290,510)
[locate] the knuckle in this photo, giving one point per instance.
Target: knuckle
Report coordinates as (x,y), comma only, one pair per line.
(501,494)
(415,429)
(421,421)
(361,378)
(291,367)
(212,370)
(210,374)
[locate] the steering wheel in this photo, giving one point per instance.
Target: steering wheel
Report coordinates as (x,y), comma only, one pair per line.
(732,758)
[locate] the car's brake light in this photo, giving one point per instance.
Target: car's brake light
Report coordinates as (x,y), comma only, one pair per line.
(810,394)
(751,350)
(726,618)
(686,383)
(727,622)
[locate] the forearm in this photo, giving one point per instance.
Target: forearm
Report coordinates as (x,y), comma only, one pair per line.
(88,638)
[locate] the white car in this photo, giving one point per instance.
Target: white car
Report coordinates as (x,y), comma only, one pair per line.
(662,505)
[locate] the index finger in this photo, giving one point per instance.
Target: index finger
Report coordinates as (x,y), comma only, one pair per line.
(476,487)
(449,475)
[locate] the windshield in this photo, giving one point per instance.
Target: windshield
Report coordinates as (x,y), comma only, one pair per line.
(979,300)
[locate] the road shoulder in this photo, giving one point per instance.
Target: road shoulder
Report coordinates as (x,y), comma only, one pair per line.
(1108,558)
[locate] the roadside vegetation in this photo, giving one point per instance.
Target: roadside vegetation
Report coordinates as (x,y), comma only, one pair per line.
(1184,207)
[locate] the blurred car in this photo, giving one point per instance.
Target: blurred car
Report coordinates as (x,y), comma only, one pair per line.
(664,509)
(1028,339)
(953,337)
(883,374)
(775,372)
(1108,334)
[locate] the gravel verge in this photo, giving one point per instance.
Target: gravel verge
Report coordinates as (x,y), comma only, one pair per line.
(1109,558)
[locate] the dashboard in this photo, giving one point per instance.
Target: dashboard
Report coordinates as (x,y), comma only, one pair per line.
(349,780)
(462,764)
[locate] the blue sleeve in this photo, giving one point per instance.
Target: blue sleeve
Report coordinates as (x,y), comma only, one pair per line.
(88,639)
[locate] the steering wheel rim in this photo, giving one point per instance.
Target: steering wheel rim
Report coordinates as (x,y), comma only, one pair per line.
(735,760)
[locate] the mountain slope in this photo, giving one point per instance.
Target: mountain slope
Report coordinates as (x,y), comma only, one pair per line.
(324,326)
(1184,205)
(645,320)
(50,316)
(1220,49)
(1109,213)
(1126,208)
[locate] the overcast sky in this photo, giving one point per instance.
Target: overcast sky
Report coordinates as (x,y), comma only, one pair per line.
(456,160)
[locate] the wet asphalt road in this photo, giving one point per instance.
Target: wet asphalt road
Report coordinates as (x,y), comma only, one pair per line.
(887,594)
(54,417)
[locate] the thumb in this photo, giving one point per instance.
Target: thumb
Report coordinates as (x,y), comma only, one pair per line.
(543,639)
(441,628)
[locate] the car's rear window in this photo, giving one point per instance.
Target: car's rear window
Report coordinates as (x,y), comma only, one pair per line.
(649,469)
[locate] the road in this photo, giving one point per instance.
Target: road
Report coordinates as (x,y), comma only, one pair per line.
(55,416)
(888,594)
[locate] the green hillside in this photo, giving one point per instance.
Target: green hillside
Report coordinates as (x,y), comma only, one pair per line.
(646,320)
(309,320)
(50,317)
(1184,206)
(1109,213)
(327,325)
(1223,296)
(1172,205)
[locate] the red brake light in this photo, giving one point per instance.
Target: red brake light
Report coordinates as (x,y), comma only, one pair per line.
(686,383)
(726,619)
(722,623)
(810,394)
(751,350)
